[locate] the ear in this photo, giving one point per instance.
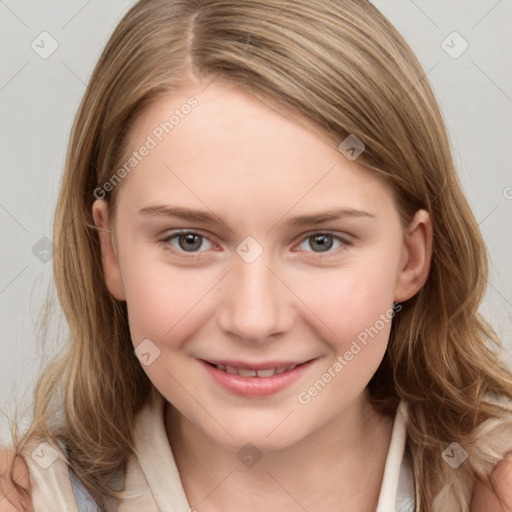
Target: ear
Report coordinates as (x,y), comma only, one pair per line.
(416,257)
(111,270)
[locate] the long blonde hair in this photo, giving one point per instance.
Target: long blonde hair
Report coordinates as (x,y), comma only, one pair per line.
(342,66)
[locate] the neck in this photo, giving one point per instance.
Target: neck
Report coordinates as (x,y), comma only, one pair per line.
(340,464)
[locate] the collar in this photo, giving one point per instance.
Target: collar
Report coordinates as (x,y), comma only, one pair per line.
(154,453)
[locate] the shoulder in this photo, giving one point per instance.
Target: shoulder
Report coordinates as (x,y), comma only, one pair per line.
(47,467)
(495,442)
(9,461)
(485,499)
(13,472)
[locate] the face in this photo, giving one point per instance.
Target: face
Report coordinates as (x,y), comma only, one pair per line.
(245,244)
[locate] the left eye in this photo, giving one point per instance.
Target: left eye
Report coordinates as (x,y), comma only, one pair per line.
(323,241)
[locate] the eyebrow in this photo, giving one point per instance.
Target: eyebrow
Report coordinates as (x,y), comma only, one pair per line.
(206,217)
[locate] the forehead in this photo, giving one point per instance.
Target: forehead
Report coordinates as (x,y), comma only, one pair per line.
(233,147)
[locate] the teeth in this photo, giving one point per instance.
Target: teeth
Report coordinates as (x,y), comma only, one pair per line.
(285,369)
(244,372)
(266,373)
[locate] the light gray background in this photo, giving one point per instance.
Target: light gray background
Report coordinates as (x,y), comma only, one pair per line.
(39,97)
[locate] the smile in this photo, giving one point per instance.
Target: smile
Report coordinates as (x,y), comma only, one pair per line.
(245,372)
(255,380)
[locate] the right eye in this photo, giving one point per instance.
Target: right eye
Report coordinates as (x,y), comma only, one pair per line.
(186,241)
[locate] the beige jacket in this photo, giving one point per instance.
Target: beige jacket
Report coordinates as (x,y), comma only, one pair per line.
(152,482)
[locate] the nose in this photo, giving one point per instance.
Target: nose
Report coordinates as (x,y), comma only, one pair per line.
(255,303)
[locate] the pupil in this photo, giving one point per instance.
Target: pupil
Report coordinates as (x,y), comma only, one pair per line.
(324,246)
(190,245)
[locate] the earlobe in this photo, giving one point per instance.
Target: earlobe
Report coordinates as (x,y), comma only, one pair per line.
(417,255)
(110,264)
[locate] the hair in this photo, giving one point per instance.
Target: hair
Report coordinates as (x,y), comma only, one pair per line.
(341,66)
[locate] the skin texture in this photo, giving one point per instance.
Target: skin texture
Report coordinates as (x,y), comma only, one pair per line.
(10,499)
(484,499)
(254,168)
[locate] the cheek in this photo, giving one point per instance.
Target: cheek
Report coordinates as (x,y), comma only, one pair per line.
(355,310)
(163,302)
(164,306)
(352,298)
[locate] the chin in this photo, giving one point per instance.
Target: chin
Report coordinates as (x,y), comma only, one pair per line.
(252,439)
(266,435)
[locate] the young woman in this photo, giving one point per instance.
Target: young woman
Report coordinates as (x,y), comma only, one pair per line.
(271,278)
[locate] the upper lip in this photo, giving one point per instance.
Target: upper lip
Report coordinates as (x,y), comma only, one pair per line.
(256,365)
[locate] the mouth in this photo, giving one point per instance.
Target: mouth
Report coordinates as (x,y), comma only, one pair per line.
(257,370)
(255,379)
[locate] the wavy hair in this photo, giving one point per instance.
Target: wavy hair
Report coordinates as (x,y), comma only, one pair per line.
(342,67)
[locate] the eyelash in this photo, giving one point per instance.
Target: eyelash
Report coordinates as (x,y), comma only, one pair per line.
(166,242)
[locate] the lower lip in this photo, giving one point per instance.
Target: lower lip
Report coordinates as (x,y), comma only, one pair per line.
(256,386)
